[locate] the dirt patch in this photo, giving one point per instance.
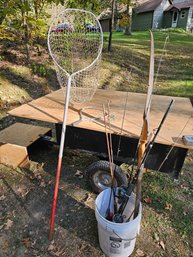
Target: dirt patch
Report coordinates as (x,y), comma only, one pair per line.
(25,212)
(26,200)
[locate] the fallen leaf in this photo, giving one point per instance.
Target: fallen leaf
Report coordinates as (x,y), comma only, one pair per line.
(58,253)
(39,177)
(27,242)
(147,200)
(51,247)
(161,243)
(40,166)
(76,152)
(32,177)
(78,173)
(1,226)
(8,224)
(140,253)
(2,176)
(156,237)
(87,197)
(168,206)
(2,198)
(42,184)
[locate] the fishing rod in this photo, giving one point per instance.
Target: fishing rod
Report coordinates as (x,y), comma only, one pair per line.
(108,214)
(124,111)
(161,59)
(113,167)
(174,144)
(118,217)
(123,119)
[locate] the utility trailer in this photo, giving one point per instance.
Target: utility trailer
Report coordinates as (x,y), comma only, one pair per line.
(86,131)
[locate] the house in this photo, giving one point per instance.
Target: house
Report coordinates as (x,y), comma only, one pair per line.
(149,14)
(105,24)
(105,17)
(179,15)
(157,14)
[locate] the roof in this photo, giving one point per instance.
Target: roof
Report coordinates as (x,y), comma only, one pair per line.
(147,6)
(106,14)
(180,6)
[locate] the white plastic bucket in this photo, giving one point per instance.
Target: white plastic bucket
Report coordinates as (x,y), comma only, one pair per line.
(116,239)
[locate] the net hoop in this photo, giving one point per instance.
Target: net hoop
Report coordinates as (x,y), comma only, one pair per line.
(84,80)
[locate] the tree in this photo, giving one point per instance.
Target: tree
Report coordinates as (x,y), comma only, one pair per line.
(111,25)
(6,8)
(126,20)
(24,18)
(91,5)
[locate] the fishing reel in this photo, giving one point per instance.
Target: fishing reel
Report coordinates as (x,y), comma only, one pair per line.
(118,218)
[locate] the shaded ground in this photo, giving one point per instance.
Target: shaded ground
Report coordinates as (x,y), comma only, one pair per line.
(26,198)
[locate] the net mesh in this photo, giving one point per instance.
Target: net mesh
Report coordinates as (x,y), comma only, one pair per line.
(75,43)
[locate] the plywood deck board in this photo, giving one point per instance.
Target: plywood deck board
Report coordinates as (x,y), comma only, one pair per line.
(50,108)
(13,155)
(22,134)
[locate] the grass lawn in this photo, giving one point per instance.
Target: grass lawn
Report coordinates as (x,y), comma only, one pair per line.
(127,67)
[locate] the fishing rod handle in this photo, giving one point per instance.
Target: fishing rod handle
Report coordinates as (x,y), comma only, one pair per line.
(125,199)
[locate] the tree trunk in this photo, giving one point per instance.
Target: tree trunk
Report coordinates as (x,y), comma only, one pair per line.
(26,35)
(3,13)
(128,28)
(2,18)
(111,26)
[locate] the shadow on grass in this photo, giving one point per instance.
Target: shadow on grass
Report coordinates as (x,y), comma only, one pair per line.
(33,88)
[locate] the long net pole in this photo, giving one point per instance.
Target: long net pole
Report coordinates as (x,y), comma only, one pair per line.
(60,157)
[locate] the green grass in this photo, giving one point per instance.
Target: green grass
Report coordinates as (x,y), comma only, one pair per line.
(131,55)
(165,194)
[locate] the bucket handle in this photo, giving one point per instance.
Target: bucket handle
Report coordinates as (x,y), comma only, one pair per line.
(112,230)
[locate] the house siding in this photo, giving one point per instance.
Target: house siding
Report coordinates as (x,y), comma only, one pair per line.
(182,22)
(158,14)
(142,21)
(105,24)
(167,21)
(189,25)
(159,19)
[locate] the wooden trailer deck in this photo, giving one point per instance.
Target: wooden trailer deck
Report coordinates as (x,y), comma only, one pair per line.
(88,117)
(50,108)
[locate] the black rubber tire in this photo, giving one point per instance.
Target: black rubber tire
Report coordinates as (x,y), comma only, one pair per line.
(104,167)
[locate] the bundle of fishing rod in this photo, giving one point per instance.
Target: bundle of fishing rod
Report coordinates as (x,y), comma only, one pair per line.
(117,210)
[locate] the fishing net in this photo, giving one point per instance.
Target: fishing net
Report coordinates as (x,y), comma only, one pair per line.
(75,44)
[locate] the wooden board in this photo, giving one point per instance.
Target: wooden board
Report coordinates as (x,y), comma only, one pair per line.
(13,155)
(22,134)
(14,141)
(50,108)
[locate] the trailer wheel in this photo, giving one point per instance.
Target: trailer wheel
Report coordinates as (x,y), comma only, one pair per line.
(99,176)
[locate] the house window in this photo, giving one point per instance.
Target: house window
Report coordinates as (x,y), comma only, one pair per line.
(183,13)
